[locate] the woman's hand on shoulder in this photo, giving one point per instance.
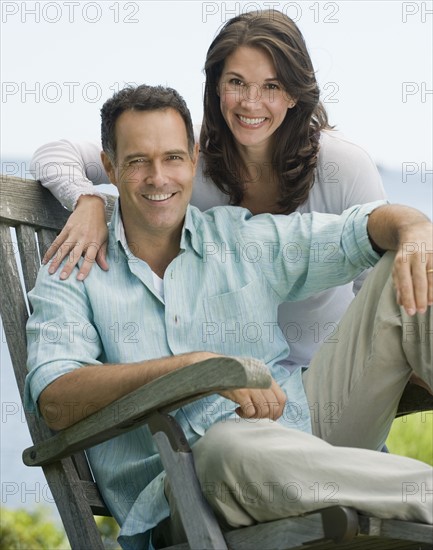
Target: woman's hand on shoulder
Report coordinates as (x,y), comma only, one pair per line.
(85,233)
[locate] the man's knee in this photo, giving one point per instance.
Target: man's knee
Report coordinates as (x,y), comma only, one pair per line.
(383,268)
(227,446)
(379,278)
(234,449)
(217,448)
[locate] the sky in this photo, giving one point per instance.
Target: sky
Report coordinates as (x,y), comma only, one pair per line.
(61,60)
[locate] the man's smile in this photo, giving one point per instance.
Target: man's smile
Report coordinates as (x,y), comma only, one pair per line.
(158,197)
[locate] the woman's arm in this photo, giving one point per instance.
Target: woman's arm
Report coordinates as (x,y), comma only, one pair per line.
(70,171)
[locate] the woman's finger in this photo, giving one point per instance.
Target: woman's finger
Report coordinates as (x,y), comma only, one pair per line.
(73,258)
(101,257)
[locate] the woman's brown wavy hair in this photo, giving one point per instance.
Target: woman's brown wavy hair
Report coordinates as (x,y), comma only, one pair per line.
(296,141)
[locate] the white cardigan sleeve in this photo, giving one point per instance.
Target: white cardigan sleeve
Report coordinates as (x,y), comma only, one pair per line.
(69,170)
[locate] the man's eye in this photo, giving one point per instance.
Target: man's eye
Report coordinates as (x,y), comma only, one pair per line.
(136,161)
(175,157)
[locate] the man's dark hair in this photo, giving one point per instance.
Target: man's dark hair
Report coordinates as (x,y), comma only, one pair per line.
(141,98)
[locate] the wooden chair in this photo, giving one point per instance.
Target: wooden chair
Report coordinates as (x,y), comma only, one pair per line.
(35,217)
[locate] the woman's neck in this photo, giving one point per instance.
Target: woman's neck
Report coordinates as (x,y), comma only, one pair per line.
(261,185)
(261,198)
(260,155)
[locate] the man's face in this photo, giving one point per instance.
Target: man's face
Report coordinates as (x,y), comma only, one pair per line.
(154,171)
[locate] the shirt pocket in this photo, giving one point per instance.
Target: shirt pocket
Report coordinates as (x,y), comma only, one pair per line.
(243,322)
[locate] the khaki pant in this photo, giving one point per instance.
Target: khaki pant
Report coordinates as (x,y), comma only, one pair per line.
(254,471)
(354,383)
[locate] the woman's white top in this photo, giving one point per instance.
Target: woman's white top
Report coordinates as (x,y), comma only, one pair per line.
(345,176)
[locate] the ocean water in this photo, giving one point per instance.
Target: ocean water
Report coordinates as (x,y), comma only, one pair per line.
(26,487)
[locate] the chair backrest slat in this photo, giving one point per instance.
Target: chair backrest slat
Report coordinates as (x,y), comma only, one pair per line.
(12,305)
(37,217)
(29,256)
(45,238)
(25,201)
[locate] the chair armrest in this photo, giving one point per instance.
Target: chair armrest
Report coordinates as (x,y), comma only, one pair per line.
(164,394)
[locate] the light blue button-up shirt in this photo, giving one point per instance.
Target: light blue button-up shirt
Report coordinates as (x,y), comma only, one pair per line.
(221,294)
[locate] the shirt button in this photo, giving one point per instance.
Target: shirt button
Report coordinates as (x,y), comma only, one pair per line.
(176,319)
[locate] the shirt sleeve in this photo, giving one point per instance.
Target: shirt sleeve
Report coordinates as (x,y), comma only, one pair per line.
(364,185)
(60,334)
(69,170)
(306,253)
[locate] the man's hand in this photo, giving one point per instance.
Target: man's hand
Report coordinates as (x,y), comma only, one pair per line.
(258,403)
(410,233)
(84,233)
(413,267)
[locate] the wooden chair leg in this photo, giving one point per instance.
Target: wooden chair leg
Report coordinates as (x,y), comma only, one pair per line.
(198,520)
(76,514)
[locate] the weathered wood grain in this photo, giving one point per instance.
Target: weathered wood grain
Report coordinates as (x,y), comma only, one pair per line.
(297,533)
(164,394)
(25,205)
(28,250)
(26,201)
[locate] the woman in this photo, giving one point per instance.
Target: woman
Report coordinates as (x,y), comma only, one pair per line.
(265,145)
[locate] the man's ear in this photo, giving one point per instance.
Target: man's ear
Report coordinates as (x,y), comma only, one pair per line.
(109,167)
(195,156)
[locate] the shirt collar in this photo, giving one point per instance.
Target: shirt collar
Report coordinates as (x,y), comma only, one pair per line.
(189,232)
(191,229)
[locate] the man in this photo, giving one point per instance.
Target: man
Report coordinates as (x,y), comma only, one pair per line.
(184,286)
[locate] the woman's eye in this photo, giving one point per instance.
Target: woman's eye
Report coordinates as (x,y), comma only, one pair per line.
(235,82)
(272,86)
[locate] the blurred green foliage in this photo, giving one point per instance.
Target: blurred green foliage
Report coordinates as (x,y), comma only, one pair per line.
(412,436)
(109,531)
(22,529)
(36,530)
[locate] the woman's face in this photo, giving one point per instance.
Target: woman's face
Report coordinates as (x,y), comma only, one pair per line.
(252,100)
